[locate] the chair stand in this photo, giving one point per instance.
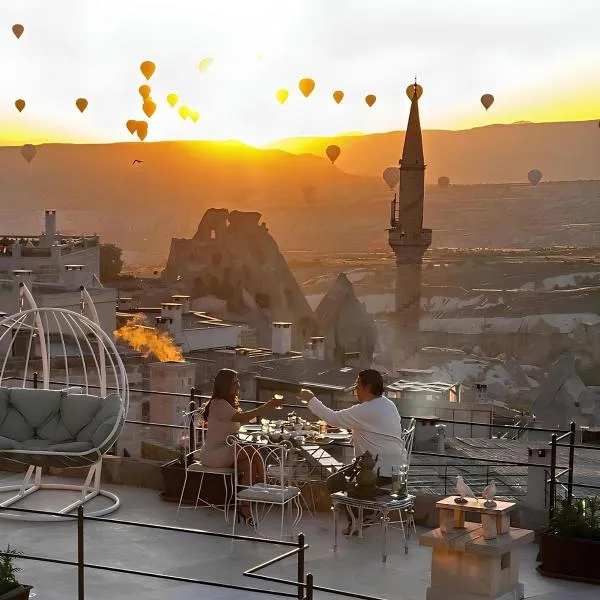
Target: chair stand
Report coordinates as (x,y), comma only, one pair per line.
(224,508)
(89,490)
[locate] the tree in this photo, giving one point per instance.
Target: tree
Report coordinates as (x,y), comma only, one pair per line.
(111,262)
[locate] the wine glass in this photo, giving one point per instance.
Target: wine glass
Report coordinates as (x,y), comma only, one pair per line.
(278,397)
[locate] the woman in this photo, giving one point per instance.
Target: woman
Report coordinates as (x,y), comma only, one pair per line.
(223,417)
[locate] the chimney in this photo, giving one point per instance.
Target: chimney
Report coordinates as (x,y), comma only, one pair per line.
(50,226)
(125,303)
(318,346)
(184,301)
(308,351)
(241,362)
(352,359)
(163,324)
(75,277)
(281,340)
(174,312)
(24,276)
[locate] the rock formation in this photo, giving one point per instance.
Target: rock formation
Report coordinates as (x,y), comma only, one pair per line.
(232,262)
(345,323)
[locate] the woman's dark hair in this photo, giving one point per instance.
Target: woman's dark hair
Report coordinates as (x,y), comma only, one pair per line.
(373,380)
(222,387)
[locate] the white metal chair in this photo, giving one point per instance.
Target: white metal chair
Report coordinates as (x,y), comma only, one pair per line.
(262,495)
(74,426)
(192,464)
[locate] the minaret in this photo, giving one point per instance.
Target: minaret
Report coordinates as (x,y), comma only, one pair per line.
(407,238)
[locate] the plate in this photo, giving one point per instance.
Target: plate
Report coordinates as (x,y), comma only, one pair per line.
(323,441)
(342,435)
(251,428)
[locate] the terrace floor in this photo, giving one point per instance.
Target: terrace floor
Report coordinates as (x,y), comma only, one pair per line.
(356,567)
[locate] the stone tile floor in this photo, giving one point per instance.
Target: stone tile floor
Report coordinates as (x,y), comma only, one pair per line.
(356,567)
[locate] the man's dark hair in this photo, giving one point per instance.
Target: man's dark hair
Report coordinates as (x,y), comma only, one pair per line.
(373,380)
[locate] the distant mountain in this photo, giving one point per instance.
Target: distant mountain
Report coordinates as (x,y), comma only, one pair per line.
(493,154)
(307,203)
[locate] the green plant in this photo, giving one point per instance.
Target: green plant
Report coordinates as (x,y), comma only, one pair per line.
(578,519)
(8,571)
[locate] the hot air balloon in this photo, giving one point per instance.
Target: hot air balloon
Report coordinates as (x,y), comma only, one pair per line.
(487,100)
(204,64)
(172,100)
(332,152)
(306,86)
(443,182)
(370,99)
(144,91)
(28,151)
(338,96)
(81,104)
(534,176)
(282,96)
(391,176)
(20,104)
(194,115)
(18,30)
(149,107)
(147,68)
(184,112)
(410,91)
(142,130)
(131,126)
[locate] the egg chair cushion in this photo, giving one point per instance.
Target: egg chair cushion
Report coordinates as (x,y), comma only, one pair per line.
(36,406)
(54,430)
(4,397)
(15,427)
(8,444)
(71,447)
(103,423)
(77,411)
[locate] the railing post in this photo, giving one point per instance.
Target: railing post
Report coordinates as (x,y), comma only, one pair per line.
(309,587)
(552,490)
(445,480)
(192,408)
(35,380)
(300,566)
(571,462)
(80,557)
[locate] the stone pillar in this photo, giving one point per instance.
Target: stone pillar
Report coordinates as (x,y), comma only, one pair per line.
(539,457)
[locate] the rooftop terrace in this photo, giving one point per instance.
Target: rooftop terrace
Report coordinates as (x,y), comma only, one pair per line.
(356,568)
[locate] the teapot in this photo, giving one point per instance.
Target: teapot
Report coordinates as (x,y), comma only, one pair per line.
(365,479)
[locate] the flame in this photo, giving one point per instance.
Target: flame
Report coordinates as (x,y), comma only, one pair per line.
(148,340)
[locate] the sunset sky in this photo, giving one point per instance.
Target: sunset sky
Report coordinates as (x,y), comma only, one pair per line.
(539,58)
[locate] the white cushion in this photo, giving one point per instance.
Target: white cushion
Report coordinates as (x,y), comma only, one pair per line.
(198,466)
(264,492)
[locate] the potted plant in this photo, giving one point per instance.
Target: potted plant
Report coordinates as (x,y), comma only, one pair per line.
(10,588)
(570,549)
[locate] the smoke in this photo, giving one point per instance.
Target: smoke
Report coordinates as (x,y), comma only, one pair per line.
(149,341)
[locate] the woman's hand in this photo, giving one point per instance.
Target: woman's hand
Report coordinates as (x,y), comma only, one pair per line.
(275,402)
(305,395)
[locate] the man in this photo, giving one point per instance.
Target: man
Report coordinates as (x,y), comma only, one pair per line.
(374,421)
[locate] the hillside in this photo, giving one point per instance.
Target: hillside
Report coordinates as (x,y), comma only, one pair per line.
(493,154)
(307,203)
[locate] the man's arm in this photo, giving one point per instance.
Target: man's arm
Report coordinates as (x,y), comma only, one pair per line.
(349,418)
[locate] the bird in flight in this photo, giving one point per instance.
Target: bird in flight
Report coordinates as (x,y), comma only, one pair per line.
(137,161)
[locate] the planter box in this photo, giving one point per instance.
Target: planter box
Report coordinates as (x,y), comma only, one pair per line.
(569,558)
(20,593)
(173,474)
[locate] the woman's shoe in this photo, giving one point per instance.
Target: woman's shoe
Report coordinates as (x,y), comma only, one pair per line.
(247,520)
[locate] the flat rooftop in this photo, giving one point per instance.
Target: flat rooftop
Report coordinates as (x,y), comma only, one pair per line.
(356,568)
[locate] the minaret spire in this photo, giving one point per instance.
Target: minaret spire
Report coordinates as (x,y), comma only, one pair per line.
(407,238)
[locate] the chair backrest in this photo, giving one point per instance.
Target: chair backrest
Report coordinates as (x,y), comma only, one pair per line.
(273,466)
(408,436)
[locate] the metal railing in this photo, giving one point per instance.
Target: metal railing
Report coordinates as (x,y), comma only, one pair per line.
(557,474)
(304,583)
